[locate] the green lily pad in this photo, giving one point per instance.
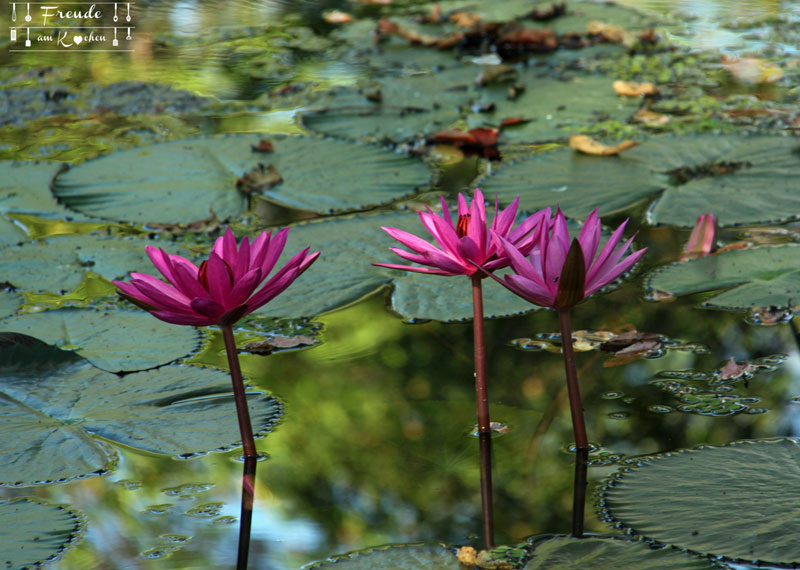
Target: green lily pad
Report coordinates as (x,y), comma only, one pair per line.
(576,181)
(737,501)
(740,179)
(116,341)
(344,274)
(567,552)
(9,303)
(757,277)
(61,263)
(146,185)
(11,233)
(60,414)
(25,188)
(395,557)
(33,531)
(423,104)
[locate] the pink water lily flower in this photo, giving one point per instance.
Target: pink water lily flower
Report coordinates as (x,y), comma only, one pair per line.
(554,265)
(467,243)
(223,289)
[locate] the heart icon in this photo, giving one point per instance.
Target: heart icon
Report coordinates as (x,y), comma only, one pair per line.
(77,40)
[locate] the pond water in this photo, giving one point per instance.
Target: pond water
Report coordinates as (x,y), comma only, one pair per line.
(374,446)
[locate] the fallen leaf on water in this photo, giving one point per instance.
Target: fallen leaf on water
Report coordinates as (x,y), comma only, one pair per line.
(648,117)
(513,121)
(585,144)
(265,347)
(613,34)
(752,69)
(465,19)
(632,89)
(470,558)
(771,315)
(481,141)
(259,179)
(387,27)
(337,17)
(529,40)
(733,370)
(496,74)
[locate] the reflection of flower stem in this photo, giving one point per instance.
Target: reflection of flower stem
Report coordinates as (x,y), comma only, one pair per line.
(246,518)
(482,401)
(578,424)
(248,444)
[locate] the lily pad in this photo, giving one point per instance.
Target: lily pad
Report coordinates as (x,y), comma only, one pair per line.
(739,179)
(737,501)
(395,557)
(9,303)
(758,277)
(183,181)
(578,182)
(61,263)
(33,532)
(344,274)
(59,416)
(567,552)
(25,188)
(116,341)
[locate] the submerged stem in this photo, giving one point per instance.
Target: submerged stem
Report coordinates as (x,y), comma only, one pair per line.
(482,402)
(246,518)
(245,428)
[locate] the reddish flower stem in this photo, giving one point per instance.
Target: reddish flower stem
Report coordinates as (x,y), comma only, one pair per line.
(578,424)
(245,428)
(575,406)
(482,402)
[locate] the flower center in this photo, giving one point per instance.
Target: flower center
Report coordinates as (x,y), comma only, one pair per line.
(462,226)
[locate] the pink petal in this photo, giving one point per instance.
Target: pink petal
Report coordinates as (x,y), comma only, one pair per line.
(132,291)
(243,288)
(158,293)
(161,260)
(183,318)
(271,252)
(242,265)
(416,258)
(409,240)
(608,249)
(525,268)
(444,233)
(446,211)
(413,268)
(225,247)
(589,238)
(468,251)
(503,220)
(530,291)
(623,266)
(463,208)
(208,308)
(219,279)
(187,283)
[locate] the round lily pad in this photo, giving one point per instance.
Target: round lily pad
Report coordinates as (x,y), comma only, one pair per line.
(738,501)
(112,340)
(25,188)
(185,181)
(60,414)
(9,303)
(344,274)
(740,179)
(395,557)
(757,277)
(567,552)
(33,531)
(61,263)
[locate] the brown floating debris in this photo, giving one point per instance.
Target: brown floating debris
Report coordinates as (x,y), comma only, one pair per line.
(259,179)
(752,69)
(337,17)
(631,89)
(264,146)
(515,91)
(649,118)
(496,74)
(613,34)
(544,14)
(585,144)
